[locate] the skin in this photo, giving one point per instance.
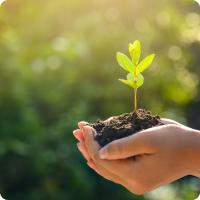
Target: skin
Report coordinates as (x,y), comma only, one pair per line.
(146,160)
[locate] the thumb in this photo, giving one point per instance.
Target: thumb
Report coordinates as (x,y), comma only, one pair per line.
(133,145)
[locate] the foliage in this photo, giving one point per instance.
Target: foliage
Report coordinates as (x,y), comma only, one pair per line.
(134,78)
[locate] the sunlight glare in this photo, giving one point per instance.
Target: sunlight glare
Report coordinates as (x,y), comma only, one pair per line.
(198,1)
(1,1)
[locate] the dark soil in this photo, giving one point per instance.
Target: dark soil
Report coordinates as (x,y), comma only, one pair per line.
(124,125)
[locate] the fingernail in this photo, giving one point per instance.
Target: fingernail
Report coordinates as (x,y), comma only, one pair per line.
(75,133)
(83,123)
(103,153)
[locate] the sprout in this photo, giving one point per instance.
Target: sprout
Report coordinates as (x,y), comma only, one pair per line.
(134,68)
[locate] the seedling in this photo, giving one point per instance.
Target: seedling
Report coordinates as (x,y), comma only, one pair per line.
(134,68)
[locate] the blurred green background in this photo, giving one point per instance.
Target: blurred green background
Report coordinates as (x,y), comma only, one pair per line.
(58,66)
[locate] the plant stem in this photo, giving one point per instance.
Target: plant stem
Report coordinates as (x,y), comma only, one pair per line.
(135,99)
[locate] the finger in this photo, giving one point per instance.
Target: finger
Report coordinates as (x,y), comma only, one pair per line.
(91,144)
(78,134)
(109,176)
(104,173)
(137,144)
(170,121)
(100,170)
(83,150)
(113,166)
(82,124)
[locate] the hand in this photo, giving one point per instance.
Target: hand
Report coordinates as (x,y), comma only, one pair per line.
(79,135)
(108,169)
(154,157)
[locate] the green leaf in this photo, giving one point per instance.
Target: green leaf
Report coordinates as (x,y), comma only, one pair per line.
(127,82)
(130,77)
(135,51)
(125,62)
(140,80)
(144,64)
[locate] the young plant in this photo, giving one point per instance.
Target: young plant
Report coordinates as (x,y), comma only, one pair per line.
(134,67)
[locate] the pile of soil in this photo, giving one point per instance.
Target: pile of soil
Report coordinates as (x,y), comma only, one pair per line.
(124,125)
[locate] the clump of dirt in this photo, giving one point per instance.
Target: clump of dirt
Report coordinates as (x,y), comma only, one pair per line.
(124,125)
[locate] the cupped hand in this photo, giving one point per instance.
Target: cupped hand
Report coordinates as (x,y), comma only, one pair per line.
(142,161)
(90,150)
(78,133)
